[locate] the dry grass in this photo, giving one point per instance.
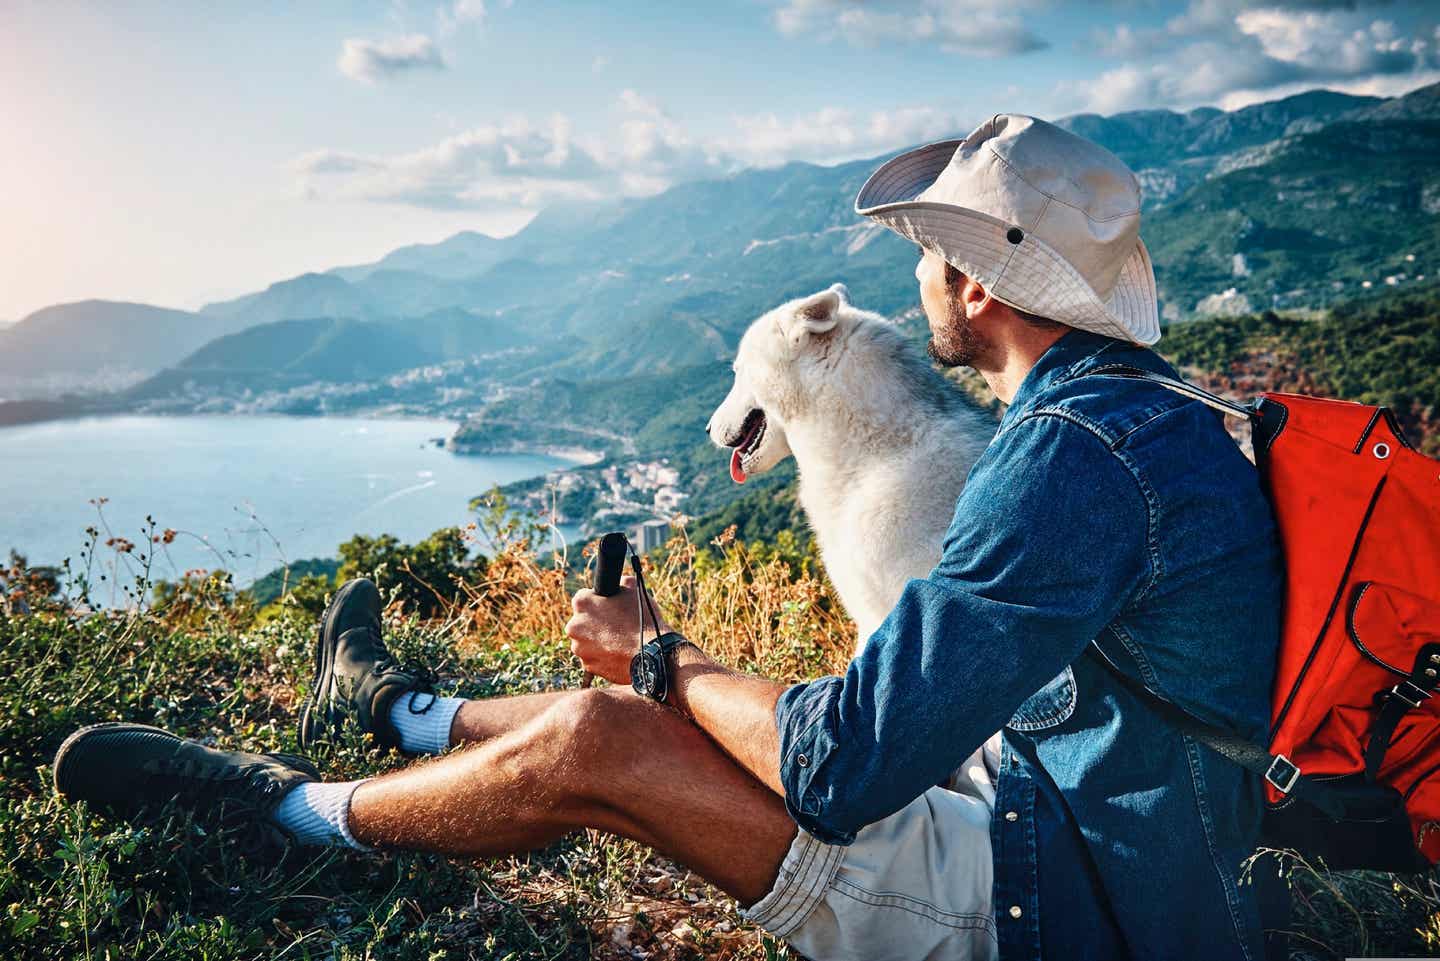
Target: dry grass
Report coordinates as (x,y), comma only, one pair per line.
(757,608)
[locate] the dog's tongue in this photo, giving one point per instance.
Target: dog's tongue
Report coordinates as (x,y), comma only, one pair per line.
(737,473)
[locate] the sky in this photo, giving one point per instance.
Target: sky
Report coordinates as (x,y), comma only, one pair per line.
(177,154)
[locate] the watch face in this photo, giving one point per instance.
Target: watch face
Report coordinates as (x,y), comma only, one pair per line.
(646,674)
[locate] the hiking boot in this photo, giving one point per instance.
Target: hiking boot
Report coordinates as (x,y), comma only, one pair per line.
(355,674)
(132,769)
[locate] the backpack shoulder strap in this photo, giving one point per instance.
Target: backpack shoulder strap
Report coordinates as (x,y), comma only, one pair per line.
(1277,769)
(1248,411)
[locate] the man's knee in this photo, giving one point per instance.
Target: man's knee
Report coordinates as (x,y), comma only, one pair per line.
(605,733)
(600,719)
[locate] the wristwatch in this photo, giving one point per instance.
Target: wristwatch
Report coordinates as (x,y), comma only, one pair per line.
(650,669)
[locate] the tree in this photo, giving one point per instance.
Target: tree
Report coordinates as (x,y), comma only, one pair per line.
(425,576)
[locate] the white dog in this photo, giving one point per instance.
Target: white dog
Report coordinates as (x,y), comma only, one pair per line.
(882,441)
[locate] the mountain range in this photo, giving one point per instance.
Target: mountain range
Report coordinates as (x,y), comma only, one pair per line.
(1291,203)
(96,344)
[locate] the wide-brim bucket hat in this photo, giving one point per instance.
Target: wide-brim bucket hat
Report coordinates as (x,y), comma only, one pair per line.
(1045,220)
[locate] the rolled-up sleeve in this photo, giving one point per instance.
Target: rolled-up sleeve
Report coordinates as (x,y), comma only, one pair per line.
(1049,541)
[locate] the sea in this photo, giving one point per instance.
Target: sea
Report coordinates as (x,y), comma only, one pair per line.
(246,493)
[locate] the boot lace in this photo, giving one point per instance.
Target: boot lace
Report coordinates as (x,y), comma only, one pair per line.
(423,679)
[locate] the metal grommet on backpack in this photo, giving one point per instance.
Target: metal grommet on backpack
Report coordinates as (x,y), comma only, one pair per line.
(1352,765)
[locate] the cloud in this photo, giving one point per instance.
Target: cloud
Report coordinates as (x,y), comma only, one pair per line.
(451,17)
(975,27)
(1123,41)
(1232,52)
(516,163)
(652,142)
(1326,44)
(834,134)
(655,151)
(372,60)
(526,164)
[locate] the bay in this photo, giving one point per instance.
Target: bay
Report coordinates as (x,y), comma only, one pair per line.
(243,493)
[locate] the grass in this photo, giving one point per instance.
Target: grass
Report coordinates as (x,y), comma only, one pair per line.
(204,661)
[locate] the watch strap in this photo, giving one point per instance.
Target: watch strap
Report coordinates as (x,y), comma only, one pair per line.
(660,649)
(669,641)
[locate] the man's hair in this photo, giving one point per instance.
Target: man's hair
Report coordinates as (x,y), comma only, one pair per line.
(953,278)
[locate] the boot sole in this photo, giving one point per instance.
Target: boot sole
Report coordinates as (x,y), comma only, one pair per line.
(66,746)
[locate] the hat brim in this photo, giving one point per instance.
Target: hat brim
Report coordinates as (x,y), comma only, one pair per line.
(1029,275)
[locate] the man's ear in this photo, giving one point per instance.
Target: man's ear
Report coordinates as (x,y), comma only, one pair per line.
(816,314)
(974,296)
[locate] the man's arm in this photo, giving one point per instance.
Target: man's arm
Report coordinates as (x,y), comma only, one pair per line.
(1050,539)
(737,710)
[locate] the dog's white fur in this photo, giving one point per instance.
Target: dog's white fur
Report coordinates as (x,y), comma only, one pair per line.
(882,441)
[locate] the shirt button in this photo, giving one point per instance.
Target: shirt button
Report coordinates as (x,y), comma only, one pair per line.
(802,760)
(1015,911)
(1011,816)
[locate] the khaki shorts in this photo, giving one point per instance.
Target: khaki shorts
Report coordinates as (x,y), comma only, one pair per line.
(914,885)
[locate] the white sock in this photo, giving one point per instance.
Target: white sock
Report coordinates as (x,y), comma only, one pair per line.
(319,813)
(423,721)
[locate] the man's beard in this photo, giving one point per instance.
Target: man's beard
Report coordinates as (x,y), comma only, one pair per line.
(959,344)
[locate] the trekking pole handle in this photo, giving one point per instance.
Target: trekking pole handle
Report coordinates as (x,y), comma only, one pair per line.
(609,564)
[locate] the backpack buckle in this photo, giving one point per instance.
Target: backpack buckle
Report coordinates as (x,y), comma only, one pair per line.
(1410,692)
(1282,773)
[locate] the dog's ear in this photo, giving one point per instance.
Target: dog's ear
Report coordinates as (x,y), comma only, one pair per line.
(816,314)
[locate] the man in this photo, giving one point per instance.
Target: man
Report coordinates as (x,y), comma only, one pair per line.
(1108,514)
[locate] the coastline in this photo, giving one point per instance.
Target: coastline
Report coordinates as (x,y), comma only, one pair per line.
(578,456)
(38,412)
(23,413)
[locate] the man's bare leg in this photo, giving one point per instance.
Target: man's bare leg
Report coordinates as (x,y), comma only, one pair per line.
(484,718)
(605,759)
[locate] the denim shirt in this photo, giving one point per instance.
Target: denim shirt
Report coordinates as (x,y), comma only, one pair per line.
(1105,510)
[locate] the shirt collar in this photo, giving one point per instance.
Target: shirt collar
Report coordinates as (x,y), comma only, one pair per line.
(1061,362)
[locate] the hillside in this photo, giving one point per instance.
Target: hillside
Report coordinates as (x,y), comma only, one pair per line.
(94,342)
(1381,350)
(1307,220)
(309,295)
(321,365)
(453,332)
(323,349)
(202,661)
(1172,151)
(458,256)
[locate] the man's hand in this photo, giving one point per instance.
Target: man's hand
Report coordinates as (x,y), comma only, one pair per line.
(736,710)
(605,633)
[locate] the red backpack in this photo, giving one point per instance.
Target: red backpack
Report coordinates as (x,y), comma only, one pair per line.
(1354,751)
